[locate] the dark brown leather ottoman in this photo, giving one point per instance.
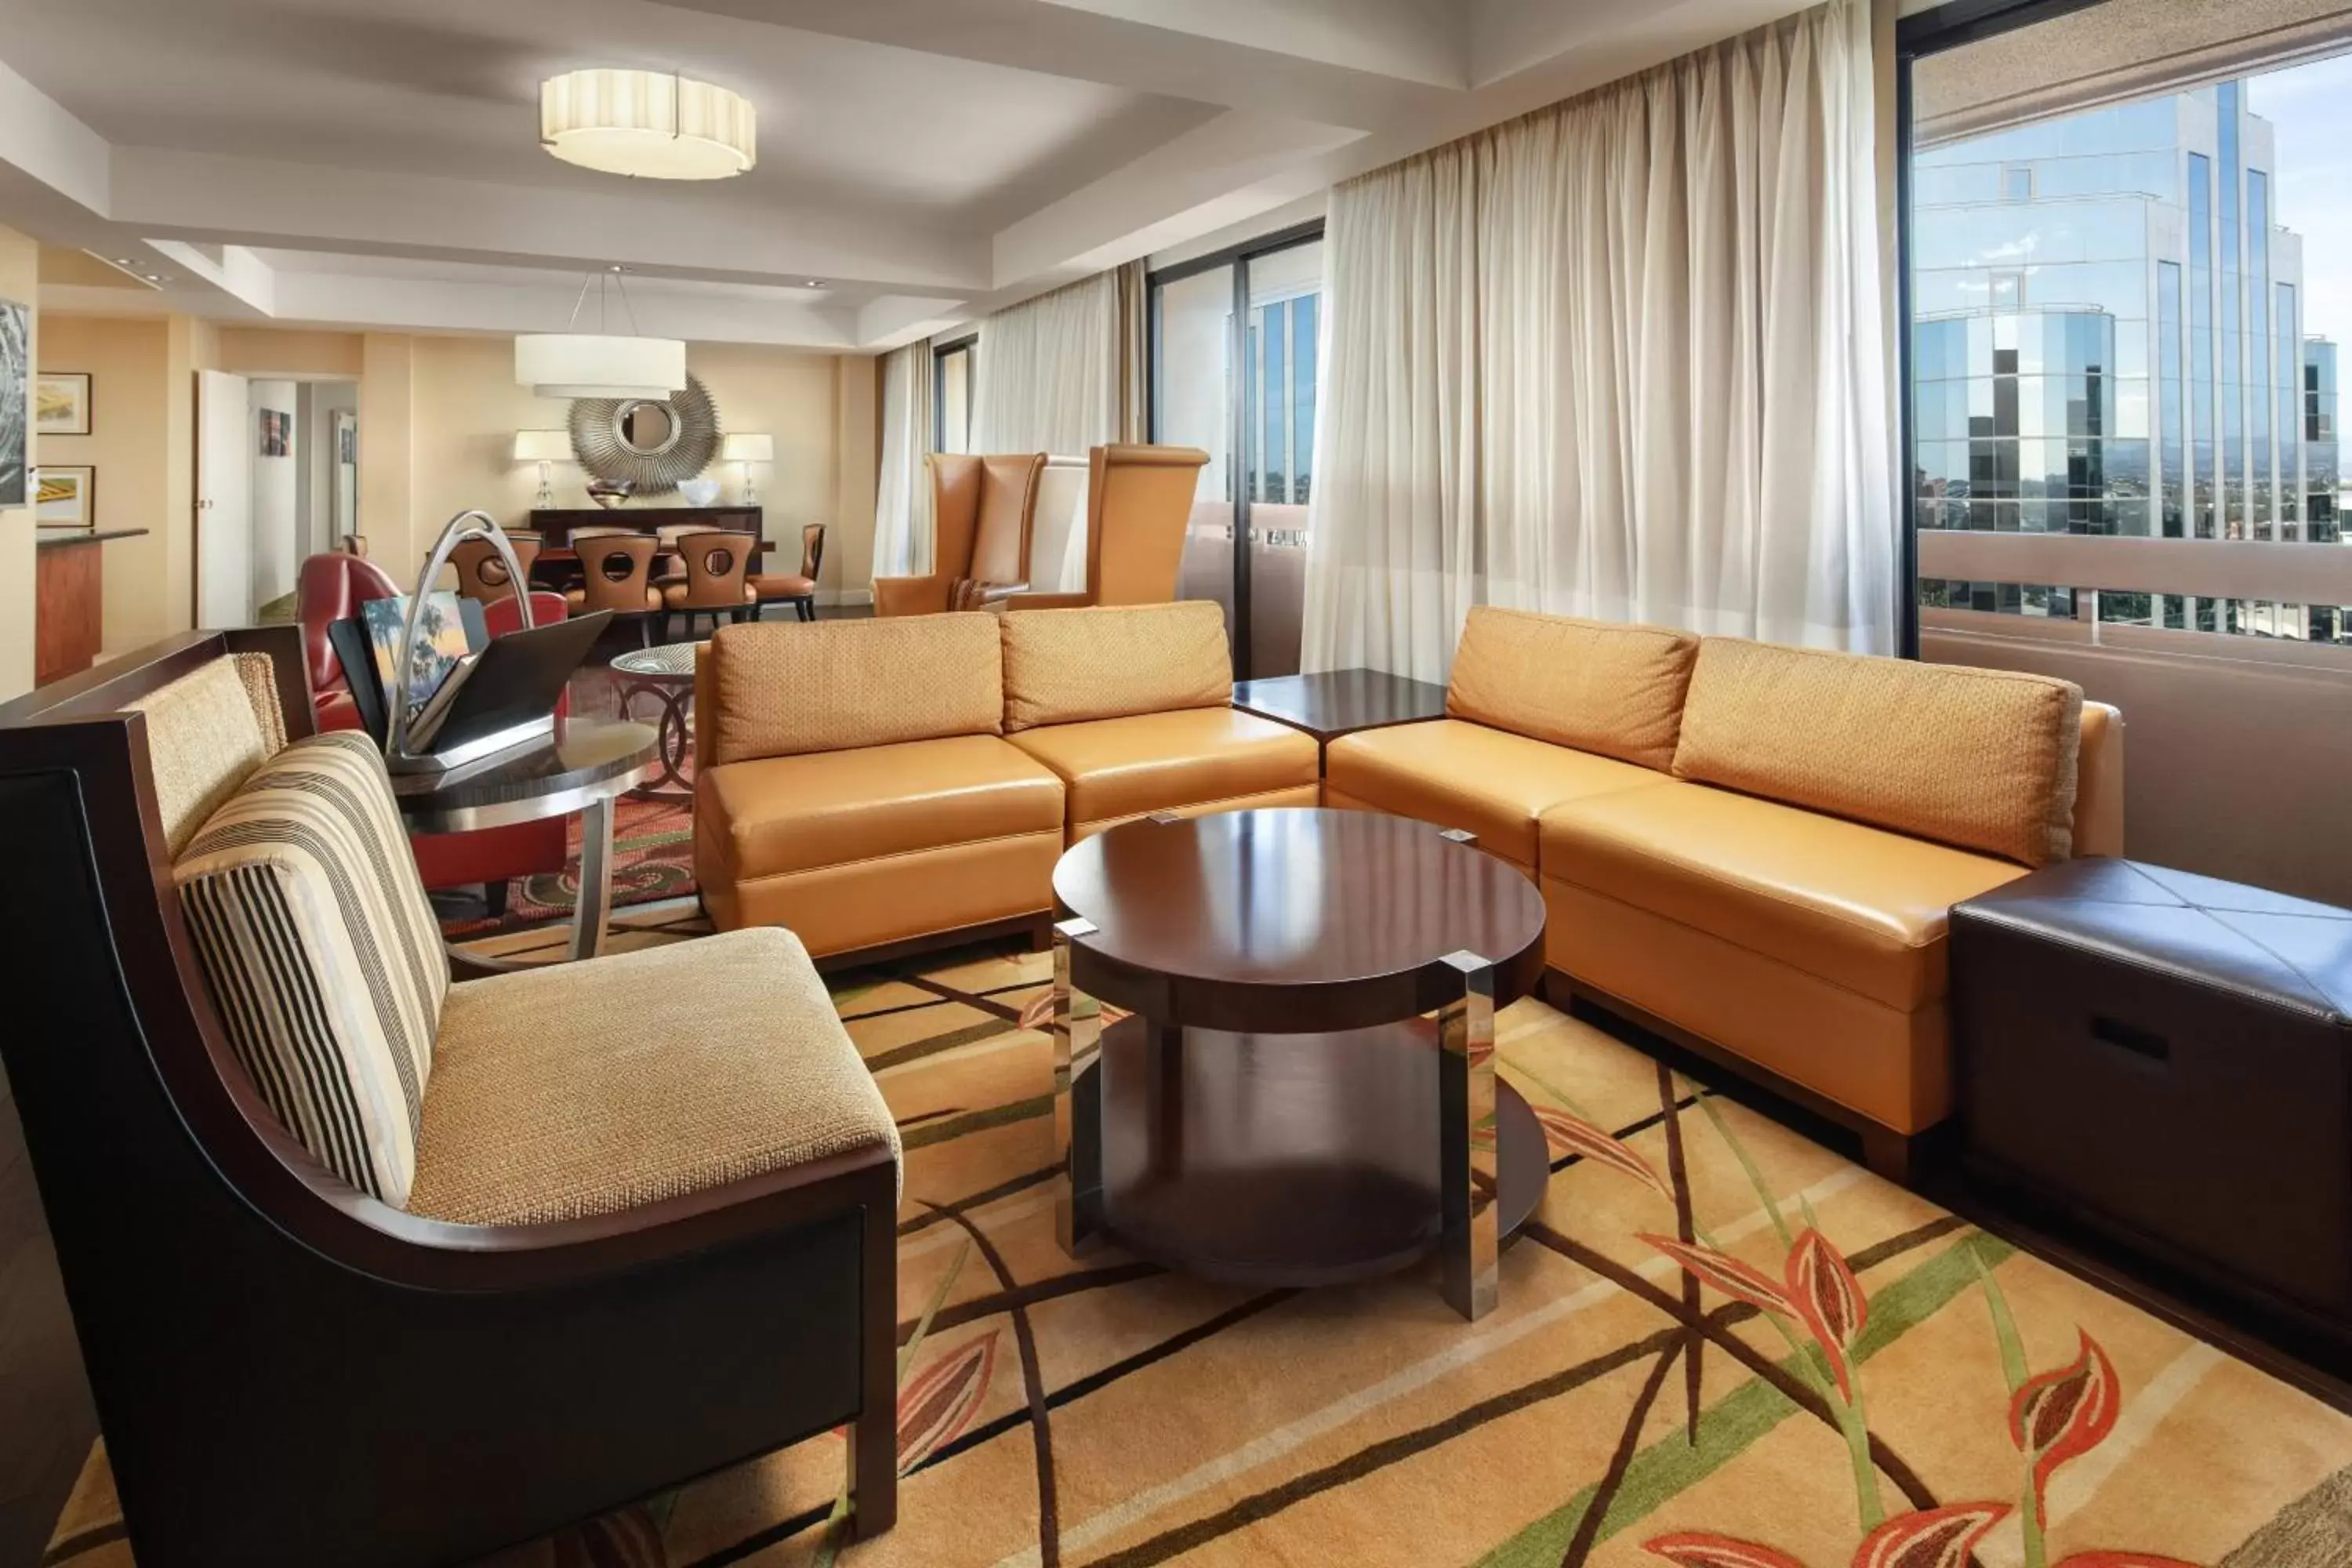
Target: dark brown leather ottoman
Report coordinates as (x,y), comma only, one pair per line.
(2163,1058)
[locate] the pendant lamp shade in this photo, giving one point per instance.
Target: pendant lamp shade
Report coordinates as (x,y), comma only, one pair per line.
(595,364)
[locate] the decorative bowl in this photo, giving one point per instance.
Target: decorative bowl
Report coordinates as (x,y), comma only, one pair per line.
(609,493)
(698,493)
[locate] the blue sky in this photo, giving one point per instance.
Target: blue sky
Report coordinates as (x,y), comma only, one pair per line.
(2311,106)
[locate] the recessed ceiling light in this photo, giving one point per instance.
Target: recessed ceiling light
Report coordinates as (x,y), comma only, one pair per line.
(124,261)
(815,283)
(653,124)
(156,278)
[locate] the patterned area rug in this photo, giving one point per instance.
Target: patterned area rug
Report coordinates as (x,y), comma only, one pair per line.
(653,858)
(1720,1346)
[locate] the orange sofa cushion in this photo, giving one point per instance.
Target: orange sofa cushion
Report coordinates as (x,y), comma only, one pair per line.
(1066,666)
(1597,686)
(1159,762)
(780,689)
(1488,782)
(1983,758)
(777,814)
(1858,907)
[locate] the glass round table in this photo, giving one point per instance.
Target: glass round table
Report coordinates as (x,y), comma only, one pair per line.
(666,674)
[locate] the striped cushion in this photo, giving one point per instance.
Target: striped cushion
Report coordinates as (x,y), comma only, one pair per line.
(322,954)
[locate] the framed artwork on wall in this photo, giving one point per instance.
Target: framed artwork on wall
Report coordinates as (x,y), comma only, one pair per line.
(61,403)
(16,397)
(65,496)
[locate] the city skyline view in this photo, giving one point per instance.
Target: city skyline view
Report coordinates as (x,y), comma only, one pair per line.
(2123,324)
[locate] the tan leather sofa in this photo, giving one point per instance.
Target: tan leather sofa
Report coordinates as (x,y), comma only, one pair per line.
(887,783)
(1755,848)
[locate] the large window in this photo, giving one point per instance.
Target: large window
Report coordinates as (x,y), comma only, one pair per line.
(1235,350)
(951,387)
(2119,360)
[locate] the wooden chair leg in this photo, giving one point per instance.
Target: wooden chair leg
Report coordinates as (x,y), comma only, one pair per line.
(1890,1154)
(874,1435)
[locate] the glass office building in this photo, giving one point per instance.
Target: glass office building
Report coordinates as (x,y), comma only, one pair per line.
(2319,465)
(2107,336)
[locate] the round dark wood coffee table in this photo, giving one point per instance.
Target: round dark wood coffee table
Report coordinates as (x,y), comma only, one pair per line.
(1278,1109)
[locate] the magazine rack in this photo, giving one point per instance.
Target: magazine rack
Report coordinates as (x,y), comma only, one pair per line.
(397,757)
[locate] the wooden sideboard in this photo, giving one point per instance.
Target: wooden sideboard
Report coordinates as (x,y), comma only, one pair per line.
(554,525)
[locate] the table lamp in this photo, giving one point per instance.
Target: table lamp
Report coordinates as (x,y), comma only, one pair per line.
(744,449)
(544,447)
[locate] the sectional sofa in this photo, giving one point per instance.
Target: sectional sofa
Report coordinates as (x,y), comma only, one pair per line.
(1751,849)
(1755,848)
(880,785)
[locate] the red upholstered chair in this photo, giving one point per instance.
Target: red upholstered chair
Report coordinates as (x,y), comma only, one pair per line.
(328,589)
(331,587)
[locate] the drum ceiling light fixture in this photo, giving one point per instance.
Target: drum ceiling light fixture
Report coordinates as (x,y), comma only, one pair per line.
(600,364)
(653,125)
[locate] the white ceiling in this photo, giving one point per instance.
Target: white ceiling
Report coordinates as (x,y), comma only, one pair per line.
(374,163)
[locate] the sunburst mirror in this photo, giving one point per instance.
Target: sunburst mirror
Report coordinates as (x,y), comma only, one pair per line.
(647,442)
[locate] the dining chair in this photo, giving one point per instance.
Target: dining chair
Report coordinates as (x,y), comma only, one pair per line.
(797,589)
(482,573)
(717,565)
(616,572)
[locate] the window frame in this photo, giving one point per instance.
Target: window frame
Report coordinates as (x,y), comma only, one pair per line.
(1238,257)
(1948,26)
(969,344)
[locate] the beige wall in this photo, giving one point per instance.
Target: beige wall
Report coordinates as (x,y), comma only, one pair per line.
(128,360)
(457,402)
(20,280)
(438,418)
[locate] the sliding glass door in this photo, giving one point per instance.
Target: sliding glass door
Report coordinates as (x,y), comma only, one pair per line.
(1234,352)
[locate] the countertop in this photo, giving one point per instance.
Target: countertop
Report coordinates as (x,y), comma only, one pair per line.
(48,538)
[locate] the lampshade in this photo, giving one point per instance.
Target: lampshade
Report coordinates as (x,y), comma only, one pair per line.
(650,124)
(588,365)
(748,446)
(543,447)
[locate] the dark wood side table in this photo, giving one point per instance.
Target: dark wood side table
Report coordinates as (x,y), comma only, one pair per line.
(1338,703)
(1277,1109)
(583,769)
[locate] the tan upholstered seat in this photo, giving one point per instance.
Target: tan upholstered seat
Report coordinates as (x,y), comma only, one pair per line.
(1488,782)
(776,814)
(1189,760)
(583,1089)
(1854,905)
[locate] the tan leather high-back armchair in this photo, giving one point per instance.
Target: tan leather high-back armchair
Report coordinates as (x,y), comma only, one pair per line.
(981,511)
(1138,506)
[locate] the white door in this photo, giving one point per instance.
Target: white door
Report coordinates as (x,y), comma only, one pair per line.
(224,448)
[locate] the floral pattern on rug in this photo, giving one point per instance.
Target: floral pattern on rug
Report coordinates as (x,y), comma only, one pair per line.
(1719,1346)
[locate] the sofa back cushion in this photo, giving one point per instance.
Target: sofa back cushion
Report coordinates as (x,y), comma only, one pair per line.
(1596,686)
(322,954)
(1065,666)
(1984,759)
(782,689)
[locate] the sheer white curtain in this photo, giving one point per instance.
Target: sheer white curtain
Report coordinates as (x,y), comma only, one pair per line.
(1622,358)
(1048,373)
(1049,378)
(902,508)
